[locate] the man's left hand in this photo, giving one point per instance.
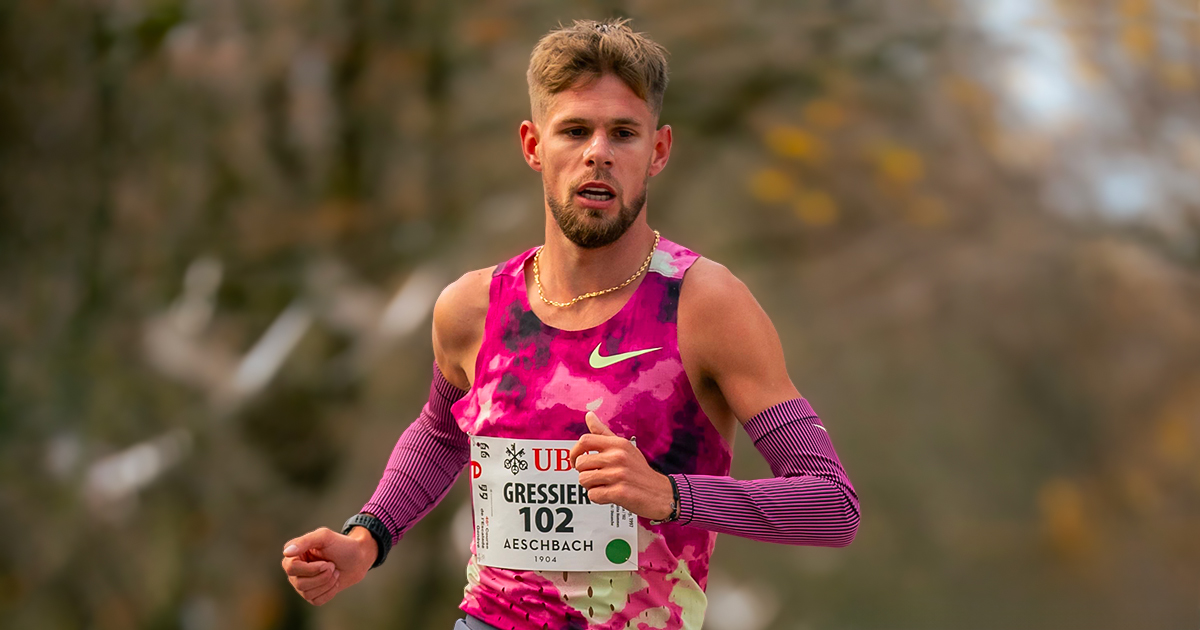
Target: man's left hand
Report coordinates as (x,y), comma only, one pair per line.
(614,471)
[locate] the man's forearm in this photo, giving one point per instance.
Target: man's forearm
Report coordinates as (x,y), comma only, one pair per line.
(426,460)
(809,502)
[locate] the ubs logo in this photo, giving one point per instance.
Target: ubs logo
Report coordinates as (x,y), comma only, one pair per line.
(516,459)
(558,459)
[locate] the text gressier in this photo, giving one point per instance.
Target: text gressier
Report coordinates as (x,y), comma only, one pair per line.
(546,494)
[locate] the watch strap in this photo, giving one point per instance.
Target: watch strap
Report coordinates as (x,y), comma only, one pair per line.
(674,516)
(371,523)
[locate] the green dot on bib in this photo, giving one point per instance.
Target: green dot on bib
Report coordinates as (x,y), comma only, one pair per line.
(618,551)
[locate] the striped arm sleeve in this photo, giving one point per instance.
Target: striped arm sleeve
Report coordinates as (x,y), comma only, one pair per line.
(809,501)
(426,460)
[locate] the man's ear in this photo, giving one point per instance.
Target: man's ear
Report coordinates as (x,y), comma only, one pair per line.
(662,150)
(529,145)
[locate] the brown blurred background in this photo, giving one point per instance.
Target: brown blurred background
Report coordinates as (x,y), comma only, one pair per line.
(976,225)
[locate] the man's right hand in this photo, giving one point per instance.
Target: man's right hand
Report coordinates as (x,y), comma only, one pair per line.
(322,563)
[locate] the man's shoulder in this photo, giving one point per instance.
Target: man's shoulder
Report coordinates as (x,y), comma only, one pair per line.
(710,286)
(460,310)
(471,289)
(718,315)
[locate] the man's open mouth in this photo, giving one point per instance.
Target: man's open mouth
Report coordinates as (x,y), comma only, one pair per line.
(596,192)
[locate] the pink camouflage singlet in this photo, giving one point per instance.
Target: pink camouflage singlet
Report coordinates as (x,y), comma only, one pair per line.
(533,381)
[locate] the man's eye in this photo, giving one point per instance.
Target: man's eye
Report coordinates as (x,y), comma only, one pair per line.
(624,133)
(576,132)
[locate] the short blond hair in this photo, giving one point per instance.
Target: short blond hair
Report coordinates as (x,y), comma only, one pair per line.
(587,50)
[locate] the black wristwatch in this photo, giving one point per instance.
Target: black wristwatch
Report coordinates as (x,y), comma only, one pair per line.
(383,538)
(674,515)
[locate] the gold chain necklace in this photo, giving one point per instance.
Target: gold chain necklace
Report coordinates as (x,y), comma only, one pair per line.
(537,279)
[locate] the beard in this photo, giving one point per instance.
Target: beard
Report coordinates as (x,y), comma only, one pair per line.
(588,228)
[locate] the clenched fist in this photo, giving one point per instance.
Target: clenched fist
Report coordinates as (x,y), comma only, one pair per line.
(614,471)
(322,563)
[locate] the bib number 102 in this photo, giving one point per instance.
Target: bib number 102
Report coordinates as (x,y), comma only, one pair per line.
(544,520)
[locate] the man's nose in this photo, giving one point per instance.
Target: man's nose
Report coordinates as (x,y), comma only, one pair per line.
(599,152)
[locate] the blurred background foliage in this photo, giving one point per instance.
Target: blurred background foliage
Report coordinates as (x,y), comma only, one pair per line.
(976,225)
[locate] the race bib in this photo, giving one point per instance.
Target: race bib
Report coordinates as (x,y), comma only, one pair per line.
(532,514)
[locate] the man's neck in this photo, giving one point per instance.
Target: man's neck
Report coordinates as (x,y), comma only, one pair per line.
(568,270)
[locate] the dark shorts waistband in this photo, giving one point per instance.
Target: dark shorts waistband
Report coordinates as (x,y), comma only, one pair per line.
(473,623)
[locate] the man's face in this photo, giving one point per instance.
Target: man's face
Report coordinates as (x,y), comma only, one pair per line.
(596,146)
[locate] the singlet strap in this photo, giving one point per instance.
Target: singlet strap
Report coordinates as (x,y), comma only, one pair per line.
(514,265)
(672,260)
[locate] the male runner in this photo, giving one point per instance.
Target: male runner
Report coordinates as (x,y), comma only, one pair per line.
(596,338)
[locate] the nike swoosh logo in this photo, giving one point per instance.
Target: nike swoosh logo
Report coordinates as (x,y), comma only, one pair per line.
(597,361)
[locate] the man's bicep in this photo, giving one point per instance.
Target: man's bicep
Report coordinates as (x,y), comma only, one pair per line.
(736,344)
(756,377)
(458,320)
(450,368)
(445,344)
